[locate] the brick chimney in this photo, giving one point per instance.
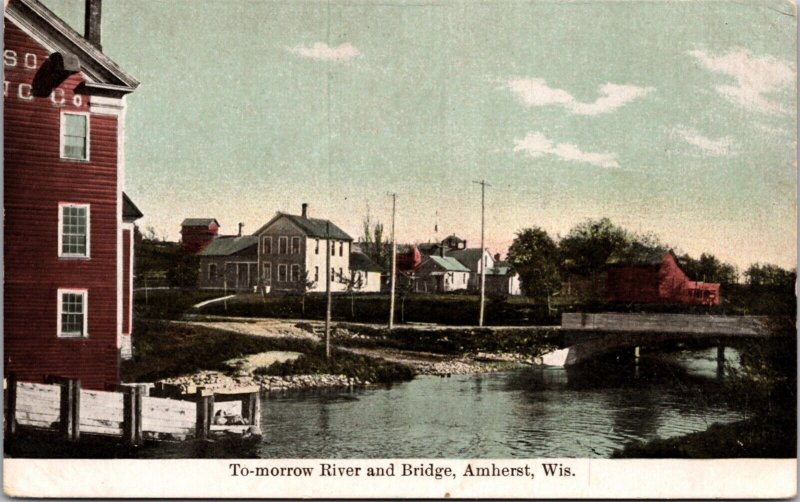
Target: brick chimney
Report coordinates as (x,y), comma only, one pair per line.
(305,210)
(241,226)
(92,23)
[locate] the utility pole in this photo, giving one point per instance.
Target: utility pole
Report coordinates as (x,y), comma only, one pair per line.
(394,264)
(328,249)
(483,185)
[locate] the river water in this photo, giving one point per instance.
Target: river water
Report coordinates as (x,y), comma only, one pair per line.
(531,412)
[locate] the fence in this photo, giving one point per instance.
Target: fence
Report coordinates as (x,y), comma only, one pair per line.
(126,413)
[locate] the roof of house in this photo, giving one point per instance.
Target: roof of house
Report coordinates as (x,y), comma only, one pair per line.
(104,75)
(199,222)
(466,256)
(640,257)
(228,245)
(501,270)
(430,247)
(360,261)
(129,210)
(313,227)
(448,263)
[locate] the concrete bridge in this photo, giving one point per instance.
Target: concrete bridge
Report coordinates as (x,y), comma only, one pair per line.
(588,336)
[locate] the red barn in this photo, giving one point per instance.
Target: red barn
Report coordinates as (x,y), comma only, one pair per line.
(197,233)
(68,227)
(656,277)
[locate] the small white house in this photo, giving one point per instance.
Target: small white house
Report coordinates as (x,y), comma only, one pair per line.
(475,260)
(365,273)
(439,274)
(502,280)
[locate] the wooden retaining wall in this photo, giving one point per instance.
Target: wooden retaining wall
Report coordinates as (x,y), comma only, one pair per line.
(126,413)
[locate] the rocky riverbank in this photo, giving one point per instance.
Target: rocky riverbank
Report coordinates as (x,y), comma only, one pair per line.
(217,381)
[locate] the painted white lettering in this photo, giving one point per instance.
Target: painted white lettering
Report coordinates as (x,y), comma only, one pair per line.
(5,88)
(9,58)
(30,61)
(24,92)
(77,100)
(57,97)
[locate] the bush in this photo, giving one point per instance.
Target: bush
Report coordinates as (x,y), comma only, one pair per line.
(341,363)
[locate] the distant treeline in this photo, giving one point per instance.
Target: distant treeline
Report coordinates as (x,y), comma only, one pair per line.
(544,263)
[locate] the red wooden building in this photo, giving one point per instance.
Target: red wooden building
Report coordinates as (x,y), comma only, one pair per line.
(197,233)
(656,277)
(68,238)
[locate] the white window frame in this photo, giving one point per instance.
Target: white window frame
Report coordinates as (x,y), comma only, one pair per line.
(294,272)
(292,247)
(268,272)
(62,131)
(283,240)
(61,254)
(263,245)
(285,272)
(316,249)
(59,302)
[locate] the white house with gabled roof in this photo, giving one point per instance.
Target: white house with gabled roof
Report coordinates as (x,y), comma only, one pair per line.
(292,253)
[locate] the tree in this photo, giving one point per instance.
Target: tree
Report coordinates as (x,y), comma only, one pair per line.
(352,284)
(373,245)
(708,269)
(535,256)
(770,275)
(588,246)
(183,271)
(306,285)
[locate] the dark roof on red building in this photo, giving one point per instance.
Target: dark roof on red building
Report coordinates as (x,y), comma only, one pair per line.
(129,210)
(642,257)
(105,76)
(199,222)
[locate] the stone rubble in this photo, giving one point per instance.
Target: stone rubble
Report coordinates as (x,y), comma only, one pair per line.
(214,380)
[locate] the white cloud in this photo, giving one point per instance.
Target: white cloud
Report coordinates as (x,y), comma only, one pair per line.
(323,52)
(536,92)
(755,76)
(721,147)
(536,144)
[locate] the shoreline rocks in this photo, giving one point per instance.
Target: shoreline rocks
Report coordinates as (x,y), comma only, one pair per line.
(215,380)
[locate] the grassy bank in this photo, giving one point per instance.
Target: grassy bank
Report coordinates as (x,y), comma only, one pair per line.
(341,362)
(168,303)
(163,349)
(771,436)
(532,341)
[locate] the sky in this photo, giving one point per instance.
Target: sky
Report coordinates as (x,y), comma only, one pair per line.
(672,118)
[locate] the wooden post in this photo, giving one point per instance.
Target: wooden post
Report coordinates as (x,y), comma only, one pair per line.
(138,437)
(11,405)
(205,411)
(128,416)
(70,416)
(257,411)
(249,407)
